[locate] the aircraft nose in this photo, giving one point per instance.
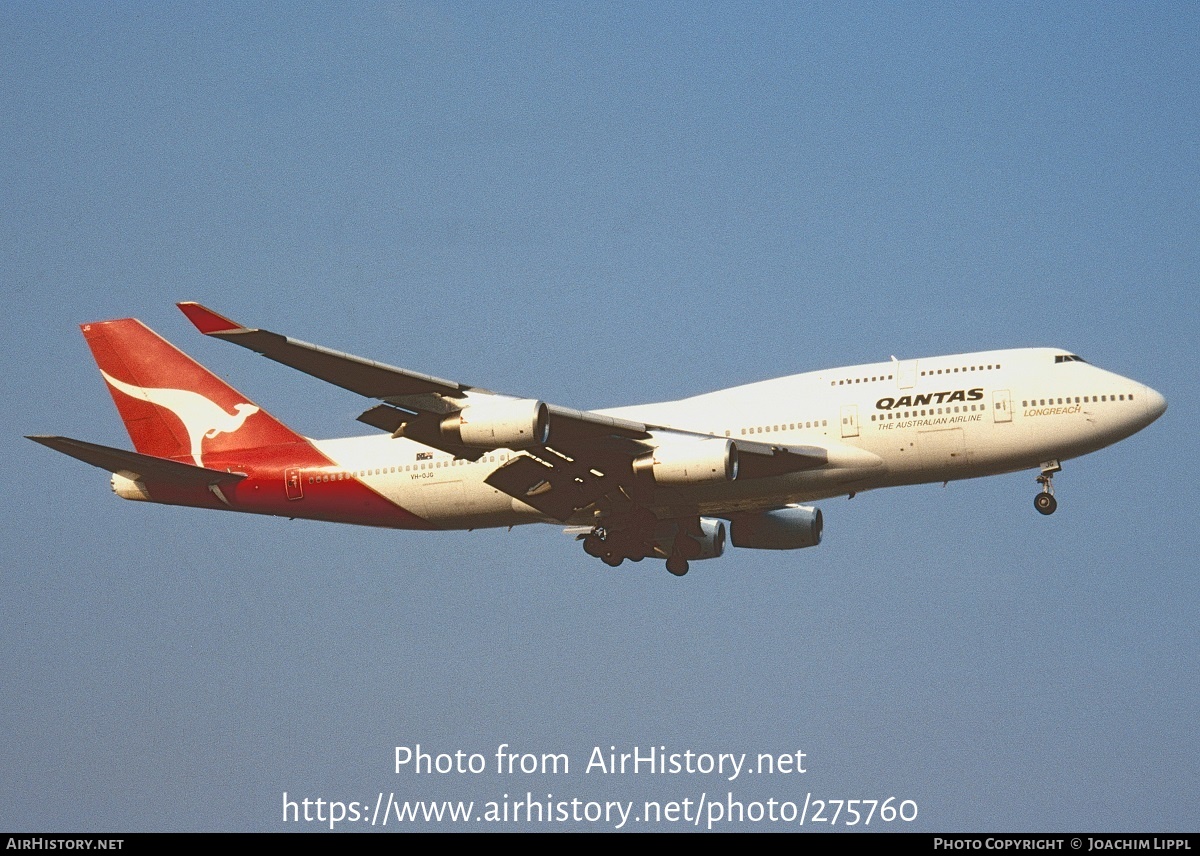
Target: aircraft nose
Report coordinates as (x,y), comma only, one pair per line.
(1156,404)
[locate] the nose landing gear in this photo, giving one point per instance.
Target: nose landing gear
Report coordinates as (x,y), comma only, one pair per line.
(1045,502)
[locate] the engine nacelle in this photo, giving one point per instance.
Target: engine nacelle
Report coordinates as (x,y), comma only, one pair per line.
(509,423)
(712,542)
(787,528)
(128,488)
(691,461)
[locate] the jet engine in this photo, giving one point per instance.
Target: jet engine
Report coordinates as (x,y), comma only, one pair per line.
(128,488)
(788,528)
(689,461)
(509,423)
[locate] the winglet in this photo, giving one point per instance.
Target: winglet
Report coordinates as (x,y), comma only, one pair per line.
(208,322)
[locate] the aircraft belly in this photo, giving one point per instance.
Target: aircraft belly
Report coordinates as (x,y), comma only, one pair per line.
(942,449)
(463,504)
(439,500)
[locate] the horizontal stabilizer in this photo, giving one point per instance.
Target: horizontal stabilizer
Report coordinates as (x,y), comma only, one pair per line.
(137,466)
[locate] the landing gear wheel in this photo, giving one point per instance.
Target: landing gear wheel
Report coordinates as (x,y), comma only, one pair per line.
(1045,503)
(677,565)
(593,545)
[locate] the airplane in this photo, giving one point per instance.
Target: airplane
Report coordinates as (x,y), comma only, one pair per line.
(674,480)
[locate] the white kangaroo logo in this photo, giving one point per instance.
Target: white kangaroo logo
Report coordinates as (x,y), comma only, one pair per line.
(199,416)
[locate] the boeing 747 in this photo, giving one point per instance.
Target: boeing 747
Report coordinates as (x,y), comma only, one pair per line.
(673,480)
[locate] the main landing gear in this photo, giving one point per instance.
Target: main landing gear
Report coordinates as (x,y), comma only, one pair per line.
(1045,502)
(613,548)
(682,549)
(636,541)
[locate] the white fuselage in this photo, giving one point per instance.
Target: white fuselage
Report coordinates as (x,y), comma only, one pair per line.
(883,424)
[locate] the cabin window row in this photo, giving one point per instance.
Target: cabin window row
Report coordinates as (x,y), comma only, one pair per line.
(383,471)
(932,411)
(1086,399)
(957,369)
(785,426)
(926,373)
(849,381)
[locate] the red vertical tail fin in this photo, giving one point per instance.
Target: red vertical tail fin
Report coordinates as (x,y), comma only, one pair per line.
(171,405)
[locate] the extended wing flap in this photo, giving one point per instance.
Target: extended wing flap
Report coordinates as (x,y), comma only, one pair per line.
(135,465)
(537,485)
(552,482)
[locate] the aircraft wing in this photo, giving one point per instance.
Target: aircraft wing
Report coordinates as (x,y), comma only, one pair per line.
(584,456)
(415,403)
(136,466)
(564,477)
(366,377)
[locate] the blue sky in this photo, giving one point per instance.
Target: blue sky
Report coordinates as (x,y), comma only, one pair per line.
(597,206)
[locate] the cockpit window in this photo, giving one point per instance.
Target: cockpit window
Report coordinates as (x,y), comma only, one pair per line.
(1068,358)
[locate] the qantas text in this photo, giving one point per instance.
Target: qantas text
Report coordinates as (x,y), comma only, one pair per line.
(928,398)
